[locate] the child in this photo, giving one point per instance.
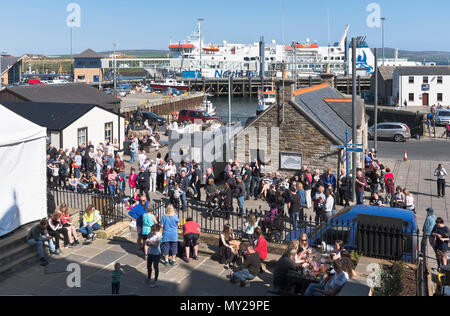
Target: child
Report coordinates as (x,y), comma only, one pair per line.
(116,274)
(250,227)
(154,241)
(176,196)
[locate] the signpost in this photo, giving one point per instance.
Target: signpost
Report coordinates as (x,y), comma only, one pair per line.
(349,148)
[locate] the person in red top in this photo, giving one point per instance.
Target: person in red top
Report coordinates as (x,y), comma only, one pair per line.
(260,244)
(191,232)
(65,220)
(388,175)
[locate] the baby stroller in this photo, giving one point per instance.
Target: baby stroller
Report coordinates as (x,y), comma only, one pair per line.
(275,229)
(216,208)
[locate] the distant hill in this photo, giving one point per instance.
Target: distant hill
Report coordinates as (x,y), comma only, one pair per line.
(140,53)
(440,58)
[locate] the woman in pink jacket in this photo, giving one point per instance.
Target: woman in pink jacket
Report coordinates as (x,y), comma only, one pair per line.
(132,181)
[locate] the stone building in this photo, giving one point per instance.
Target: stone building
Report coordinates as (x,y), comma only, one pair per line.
(302,130)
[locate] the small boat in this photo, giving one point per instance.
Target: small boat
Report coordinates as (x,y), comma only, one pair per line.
(169,83)
(269,98)
(208,106)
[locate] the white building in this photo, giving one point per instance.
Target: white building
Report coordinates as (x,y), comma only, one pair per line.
(69,124)
(421,86)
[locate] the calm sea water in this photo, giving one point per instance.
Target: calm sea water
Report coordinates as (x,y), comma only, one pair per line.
(241,108)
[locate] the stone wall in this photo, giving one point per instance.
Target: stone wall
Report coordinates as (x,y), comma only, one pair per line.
(294,135)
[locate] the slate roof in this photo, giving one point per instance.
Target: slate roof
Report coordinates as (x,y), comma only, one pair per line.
(424,71)
(336,117)
(386,72)
(64,93)
(88,53)
(53,116)
(8,62)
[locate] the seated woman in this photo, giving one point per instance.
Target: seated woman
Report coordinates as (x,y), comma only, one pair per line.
(338,248)
(84,182)
(227,197)
(191,234)
(226,250)
(94,184)
(112,182)
(67,224)
(154,142)
(304,250)
(332,286)
(266,182)
(55,229)
(260,244)
(73,183)
(91,221)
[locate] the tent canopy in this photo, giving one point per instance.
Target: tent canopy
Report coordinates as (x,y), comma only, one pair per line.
(23,195)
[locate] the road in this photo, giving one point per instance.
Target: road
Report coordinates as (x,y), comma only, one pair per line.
(425,149)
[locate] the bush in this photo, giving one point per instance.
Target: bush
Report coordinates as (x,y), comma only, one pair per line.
(391,279)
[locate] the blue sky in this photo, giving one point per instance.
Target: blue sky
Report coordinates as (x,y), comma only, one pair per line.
(40,26)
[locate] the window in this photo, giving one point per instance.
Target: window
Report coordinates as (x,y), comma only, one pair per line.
(81,77)
(425,79)
(411,97)
(411,79)
(109,131)
(439,97)
(439,79)
(82,136)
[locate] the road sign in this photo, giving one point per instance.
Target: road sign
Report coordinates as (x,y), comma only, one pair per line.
(355,150)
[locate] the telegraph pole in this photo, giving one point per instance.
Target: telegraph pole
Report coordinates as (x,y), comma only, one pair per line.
(354,117)
(375,114)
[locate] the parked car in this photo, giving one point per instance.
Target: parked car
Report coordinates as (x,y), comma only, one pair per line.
(443,117)
(399,132)
(153,118)
(344,226)
(192,115)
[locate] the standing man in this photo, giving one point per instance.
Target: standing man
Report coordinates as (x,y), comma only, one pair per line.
(428,227)
(359,187)
(153,175)
(240,194)
(344,182)
(256,175)
(184,183)
(440,173)
(294,206)
(143,181)
(142,157)
(197,180)
(133,150)
(247,180)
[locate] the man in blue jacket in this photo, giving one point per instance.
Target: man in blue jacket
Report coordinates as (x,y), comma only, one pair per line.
(136,212)
(329,181)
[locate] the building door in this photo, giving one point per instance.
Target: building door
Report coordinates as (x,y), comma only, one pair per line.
(425,99)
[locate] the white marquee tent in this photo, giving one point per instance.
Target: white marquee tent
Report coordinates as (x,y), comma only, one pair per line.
(23,192)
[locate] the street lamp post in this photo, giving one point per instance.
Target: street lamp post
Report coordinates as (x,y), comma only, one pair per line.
(382,35)
(354,40)
(200,20)
(115,68)
(375,114)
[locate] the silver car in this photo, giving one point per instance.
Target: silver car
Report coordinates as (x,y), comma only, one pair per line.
(398,132)
(443,117)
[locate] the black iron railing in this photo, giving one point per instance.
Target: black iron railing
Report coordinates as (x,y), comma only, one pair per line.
(111,208)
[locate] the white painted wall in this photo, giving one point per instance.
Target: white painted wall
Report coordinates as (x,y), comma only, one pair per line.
(402,88)
(95,121)
(54,139)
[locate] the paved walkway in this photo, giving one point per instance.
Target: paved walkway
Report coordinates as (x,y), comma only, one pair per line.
(203,277)
(418,177)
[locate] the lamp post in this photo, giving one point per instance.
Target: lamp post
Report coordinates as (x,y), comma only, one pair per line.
(115,67)
(382,35)
(71,49)
(375,114)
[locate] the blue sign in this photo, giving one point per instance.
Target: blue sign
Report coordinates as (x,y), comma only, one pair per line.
(355,150)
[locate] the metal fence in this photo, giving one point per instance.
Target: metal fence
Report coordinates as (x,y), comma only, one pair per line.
(371,241)
(111,209)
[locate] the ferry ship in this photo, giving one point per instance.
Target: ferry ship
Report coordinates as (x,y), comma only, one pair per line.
(243,60)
